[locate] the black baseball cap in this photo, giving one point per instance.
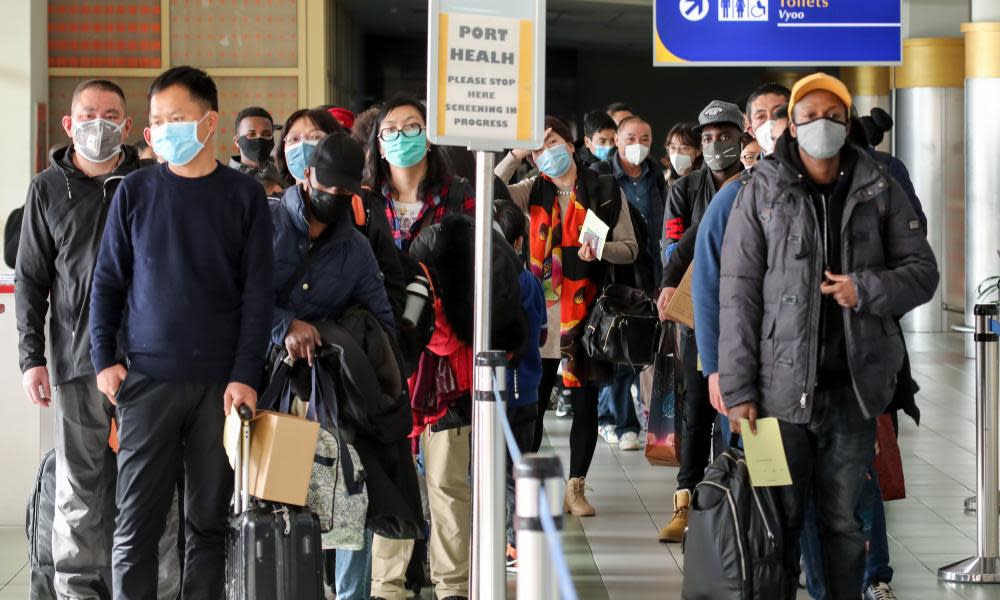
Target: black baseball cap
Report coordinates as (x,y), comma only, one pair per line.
(719,113)
(338,162)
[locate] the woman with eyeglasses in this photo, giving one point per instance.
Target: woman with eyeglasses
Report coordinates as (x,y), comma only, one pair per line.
(303,130)
(418,190)
(683,148)
(413,175)
(557,202)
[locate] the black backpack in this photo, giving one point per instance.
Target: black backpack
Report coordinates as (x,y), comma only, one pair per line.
(38,526)
(734,544)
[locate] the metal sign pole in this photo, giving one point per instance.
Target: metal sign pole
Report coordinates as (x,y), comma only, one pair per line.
(488,569)
(985,566)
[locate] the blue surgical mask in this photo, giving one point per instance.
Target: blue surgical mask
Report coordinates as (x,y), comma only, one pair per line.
(406,151)
(297,157)
(603,152)
(555,161)
(177,143)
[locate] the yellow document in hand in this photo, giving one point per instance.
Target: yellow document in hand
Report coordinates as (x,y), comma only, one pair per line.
(765,454)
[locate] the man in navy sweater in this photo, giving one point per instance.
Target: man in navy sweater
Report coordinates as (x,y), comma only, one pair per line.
(185,267)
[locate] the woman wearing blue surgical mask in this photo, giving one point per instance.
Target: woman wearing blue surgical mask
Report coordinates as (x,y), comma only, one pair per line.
(413,175)
(302,131)
(557,202)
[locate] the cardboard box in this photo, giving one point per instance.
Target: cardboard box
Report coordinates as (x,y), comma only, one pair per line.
(681,306)
(282,448)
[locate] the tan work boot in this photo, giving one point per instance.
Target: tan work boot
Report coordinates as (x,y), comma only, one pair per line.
(674,531)
(576,502)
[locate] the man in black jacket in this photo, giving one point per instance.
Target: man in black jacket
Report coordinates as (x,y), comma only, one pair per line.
(720,126)
(63,219)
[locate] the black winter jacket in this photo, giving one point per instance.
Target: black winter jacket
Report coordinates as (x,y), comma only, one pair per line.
(64,217)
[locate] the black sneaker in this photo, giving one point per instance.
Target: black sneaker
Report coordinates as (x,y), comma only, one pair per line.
(879,591)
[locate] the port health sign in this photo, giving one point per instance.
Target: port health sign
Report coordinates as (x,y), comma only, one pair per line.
(486,66)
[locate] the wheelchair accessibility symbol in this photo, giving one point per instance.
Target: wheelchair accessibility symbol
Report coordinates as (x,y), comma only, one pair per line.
(694,10)
(743,10)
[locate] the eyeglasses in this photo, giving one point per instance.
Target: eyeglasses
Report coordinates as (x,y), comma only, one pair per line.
(391,134)
(312,136)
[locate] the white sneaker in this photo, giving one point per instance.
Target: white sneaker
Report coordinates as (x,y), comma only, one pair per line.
(607,432)
(629,441)
(564,409)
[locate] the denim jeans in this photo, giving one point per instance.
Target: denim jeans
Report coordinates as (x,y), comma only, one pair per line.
(828,459)
(354,572)
(871,511)
(614,404)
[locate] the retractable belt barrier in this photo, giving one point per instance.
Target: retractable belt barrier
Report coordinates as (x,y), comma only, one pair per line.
(543,573)
(984,567)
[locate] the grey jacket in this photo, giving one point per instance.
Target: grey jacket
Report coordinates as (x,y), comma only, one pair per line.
(772,267)
(64,219)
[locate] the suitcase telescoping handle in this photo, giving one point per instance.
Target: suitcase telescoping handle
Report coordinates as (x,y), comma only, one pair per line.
(241,487)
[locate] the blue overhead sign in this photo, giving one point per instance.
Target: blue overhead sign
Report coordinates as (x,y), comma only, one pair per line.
(776,32)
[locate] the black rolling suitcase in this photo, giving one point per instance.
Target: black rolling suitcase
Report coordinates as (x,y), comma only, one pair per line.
(273,551)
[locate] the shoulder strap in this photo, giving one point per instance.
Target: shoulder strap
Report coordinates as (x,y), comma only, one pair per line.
(359,208)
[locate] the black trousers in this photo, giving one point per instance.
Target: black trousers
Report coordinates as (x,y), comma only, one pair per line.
(583,432)
(550,366)
(522,425)
(161,422)
(699,416)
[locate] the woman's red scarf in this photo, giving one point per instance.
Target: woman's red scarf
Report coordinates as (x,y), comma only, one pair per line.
(566,279)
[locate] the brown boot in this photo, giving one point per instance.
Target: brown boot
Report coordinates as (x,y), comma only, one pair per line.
(576,503)
(674,531)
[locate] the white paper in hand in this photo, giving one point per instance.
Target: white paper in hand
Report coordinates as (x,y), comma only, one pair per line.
(594,233)
(231,436)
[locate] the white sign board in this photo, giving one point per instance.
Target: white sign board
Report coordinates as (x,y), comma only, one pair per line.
(486,73)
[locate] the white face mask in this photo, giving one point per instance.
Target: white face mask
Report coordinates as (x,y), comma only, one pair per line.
(636,153)
(682,163)
(765,137)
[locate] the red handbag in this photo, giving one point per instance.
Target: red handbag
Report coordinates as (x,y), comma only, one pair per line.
(888,463)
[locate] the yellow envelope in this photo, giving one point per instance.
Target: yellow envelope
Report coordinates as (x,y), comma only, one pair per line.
(765,454)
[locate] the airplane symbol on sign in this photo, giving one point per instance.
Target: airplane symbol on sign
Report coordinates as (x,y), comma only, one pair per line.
(694,10)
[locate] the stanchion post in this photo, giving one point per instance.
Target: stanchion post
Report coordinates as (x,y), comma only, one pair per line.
(487,570)
(985,566)
(536,573)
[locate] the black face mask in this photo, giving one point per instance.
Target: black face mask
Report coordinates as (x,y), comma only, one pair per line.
(329,208)
(256,149)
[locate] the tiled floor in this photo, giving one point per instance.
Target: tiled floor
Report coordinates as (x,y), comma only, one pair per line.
(615,555)
(927,530)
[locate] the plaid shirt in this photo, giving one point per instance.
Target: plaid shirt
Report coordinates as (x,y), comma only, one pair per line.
(435,203)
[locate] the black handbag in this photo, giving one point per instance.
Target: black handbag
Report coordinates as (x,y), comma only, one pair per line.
(623,327)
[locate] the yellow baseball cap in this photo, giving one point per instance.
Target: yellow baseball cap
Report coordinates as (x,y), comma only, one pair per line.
(819,81)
